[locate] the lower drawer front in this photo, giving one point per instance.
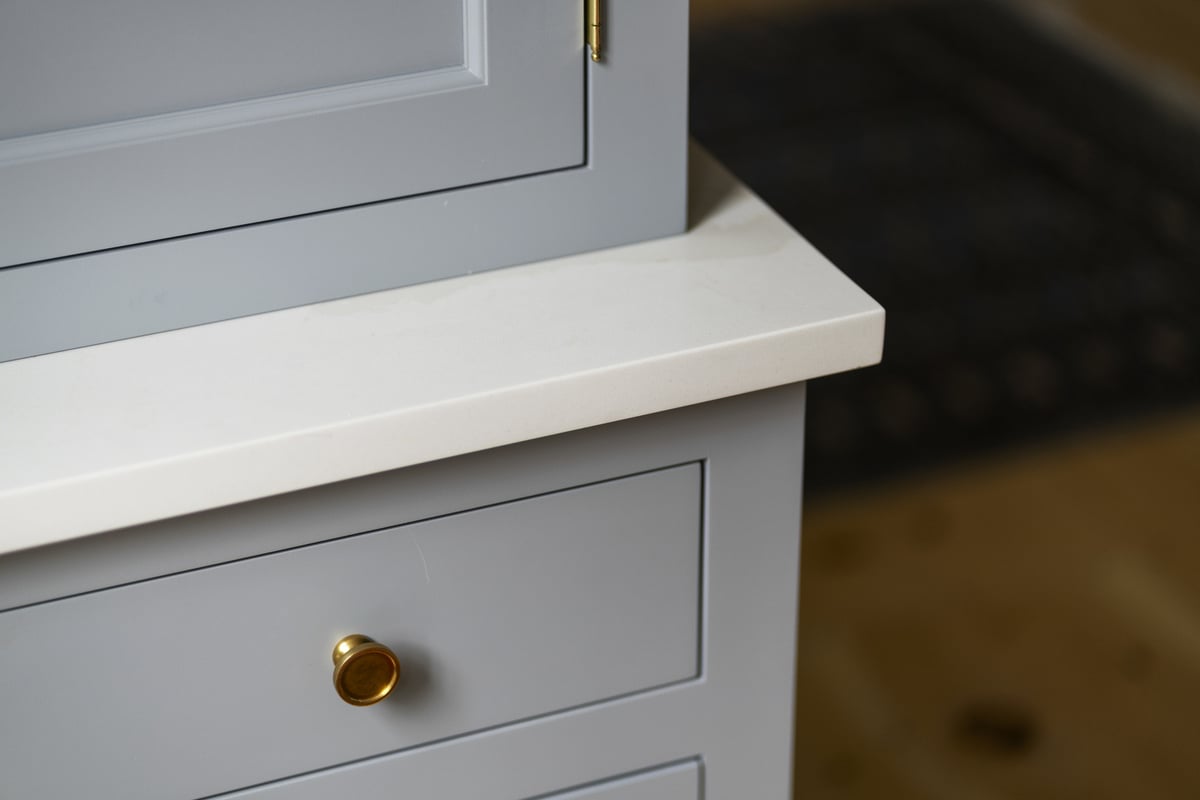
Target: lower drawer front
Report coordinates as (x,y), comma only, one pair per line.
(681,782)
(203,682)
(677,782)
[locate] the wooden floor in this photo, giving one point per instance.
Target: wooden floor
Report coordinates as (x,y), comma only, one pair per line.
(1160,34)
(1027,628)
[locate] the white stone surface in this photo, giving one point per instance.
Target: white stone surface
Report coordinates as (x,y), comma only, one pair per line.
(130,432)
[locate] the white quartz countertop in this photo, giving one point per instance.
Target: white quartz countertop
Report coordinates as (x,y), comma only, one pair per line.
(129,432)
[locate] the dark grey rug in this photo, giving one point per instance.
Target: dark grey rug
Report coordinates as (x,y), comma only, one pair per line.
(1030,221)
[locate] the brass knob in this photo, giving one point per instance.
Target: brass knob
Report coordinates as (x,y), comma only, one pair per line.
(364,671)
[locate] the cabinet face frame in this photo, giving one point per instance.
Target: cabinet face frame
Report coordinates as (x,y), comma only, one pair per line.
(631,187)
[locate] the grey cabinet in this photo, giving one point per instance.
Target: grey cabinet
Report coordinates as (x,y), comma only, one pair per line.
(566,610)
(164,164)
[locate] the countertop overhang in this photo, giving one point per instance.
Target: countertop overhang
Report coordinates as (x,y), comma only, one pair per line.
(135,431)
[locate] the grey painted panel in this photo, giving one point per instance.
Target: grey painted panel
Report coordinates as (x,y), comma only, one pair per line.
(676,782)
(209,680)
(122,59)
(512,106)
(632,188)
(680,782)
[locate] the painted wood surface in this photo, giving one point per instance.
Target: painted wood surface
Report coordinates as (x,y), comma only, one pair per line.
(629,186)
(498,615)
(141,121)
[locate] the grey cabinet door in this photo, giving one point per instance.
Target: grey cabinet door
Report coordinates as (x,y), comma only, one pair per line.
(151,182)
(139,120)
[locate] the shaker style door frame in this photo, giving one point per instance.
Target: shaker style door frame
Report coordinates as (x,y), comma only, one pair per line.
(630,186)
(467,92)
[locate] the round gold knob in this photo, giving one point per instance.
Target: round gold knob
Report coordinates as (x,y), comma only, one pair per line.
(364,671)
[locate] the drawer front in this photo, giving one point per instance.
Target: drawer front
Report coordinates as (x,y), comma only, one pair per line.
(210,680)
(680,782)
(677,782)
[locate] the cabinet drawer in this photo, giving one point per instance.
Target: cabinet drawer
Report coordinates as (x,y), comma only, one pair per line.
(676,782)
(680,782)
(206,681)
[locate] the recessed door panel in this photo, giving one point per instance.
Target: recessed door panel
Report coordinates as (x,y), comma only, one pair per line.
(90,66)
(139,120)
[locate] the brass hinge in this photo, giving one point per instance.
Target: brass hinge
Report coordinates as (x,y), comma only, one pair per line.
(592,27)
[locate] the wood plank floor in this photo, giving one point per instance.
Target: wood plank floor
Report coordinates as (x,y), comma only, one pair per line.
(1024,628)
(1027,628)
(1160,33)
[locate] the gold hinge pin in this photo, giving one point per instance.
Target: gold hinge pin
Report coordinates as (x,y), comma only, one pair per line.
(593,27)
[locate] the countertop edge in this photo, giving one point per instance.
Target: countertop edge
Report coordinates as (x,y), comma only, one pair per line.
(262,468)
(701,357)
